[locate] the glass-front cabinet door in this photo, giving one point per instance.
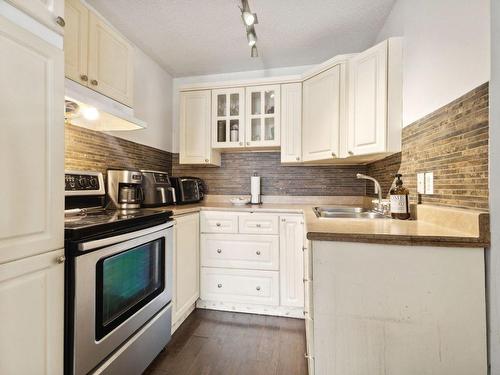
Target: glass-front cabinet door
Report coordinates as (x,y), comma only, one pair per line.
(228,116)
(263,116)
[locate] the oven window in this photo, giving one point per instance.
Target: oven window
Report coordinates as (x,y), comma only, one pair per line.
(126,282)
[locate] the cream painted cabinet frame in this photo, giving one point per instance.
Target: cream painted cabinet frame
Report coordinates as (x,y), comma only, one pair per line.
(110,62)
(31,143)
(76,42)
(195,146)
(262,116)
(375,99)
(323,114)
(291,123)
(49,12)
(186,267)
(228,118)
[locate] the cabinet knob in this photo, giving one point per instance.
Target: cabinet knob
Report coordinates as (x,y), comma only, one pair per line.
(61,259)
(219,286)
(219,251)
(258,225)
(350,153)
(297,158)
(283,220)
(257,252)
(84,77)
(257,288)
(94,82)
(206,160)
(248,143)
(334,155)
(217,224)
(60,21)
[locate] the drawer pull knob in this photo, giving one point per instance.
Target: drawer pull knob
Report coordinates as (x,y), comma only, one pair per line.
(61,259)
(257,252)
(84,77)
(258,225)
(217,224)
(60,21)
(219,286)
(258,288)
(219,251)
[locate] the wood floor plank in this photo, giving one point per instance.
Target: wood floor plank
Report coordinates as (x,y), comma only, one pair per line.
(225,343)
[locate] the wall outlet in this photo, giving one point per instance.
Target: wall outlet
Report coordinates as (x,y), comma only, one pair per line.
(421,183)
(429,183)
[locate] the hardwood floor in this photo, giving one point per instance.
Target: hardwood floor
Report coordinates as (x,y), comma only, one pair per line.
(225,343)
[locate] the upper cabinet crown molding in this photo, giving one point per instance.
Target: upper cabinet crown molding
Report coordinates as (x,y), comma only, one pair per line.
(97,57)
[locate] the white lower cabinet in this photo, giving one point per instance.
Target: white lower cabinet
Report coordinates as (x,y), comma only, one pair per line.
(238,285)
(186,267)
(252,262)
(32,315)
(292,261)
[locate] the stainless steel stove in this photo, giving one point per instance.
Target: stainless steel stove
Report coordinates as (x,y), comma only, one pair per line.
(118,281)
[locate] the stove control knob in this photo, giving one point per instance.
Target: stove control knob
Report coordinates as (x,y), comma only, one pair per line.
(82,182)
(93,182)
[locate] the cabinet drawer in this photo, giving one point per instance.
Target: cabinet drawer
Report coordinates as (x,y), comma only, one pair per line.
(244,286)
(259,224)
(259,252)
(219,222)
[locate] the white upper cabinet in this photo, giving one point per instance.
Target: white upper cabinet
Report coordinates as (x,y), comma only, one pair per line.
(48,12)
(76,41)
(96,55)
(322,115)
(31,143)
(291,123)
(110,62)
(375,100)
(262,116)
(195,146)
(228,118)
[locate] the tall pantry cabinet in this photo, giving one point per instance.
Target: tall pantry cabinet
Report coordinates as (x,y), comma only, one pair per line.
(31,223)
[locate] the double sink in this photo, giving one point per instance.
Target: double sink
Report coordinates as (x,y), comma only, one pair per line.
(348,213)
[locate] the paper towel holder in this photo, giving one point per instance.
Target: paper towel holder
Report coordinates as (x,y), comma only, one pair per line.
(255,189)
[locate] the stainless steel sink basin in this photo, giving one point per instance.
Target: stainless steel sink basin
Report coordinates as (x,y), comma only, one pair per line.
(347,213)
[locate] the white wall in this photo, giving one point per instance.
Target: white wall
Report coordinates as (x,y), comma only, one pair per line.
(152,103)
(178,82)
(446,50)
(493,260)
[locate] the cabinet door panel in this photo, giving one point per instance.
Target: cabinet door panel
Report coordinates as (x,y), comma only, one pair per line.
(367,129)
(292,261)
(110,62)
(186,264)
(45,11)
(291,123)
(194,120)
(31,144)
(321,127)
(32,311)
(76,42)
(228,118)
(263,116)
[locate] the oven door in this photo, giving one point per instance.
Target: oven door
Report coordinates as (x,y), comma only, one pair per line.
(120,284)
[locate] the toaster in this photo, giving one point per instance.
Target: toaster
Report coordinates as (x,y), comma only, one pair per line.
(188,189)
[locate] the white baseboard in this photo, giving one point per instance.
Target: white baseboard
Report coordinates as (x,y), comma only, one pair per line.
(182,317)
(289,312)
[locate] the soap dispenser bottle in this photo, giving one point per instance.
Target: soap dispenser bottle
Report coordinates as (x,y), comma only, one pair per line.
(400,205)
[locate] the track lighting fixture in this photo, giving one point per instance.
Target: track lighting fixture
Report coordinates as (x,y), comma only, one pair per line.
(249,19)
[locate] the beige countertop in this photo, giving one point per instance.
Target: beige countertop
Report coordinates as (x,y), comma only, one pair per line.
(434,225)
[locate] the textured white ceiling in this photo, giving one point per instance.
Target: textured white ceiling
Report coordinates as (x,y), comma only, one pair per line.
(193,37)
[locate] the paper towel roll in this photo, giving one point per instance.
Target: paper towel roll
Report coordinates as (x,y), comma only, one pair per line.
(255,188)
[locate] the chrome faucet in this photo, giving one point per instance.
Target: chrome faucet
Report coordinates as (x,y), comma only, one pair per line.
(378,190)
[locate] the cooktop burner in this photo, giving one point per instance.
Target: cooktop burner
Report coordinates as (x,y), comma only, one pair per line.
(94,223)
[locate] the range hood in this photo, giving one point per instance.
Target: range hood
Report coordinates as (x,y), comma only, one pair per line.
(91,110)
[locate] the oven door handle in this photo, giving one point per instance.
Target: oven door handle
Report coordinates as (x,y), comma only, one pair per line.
(91,245)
